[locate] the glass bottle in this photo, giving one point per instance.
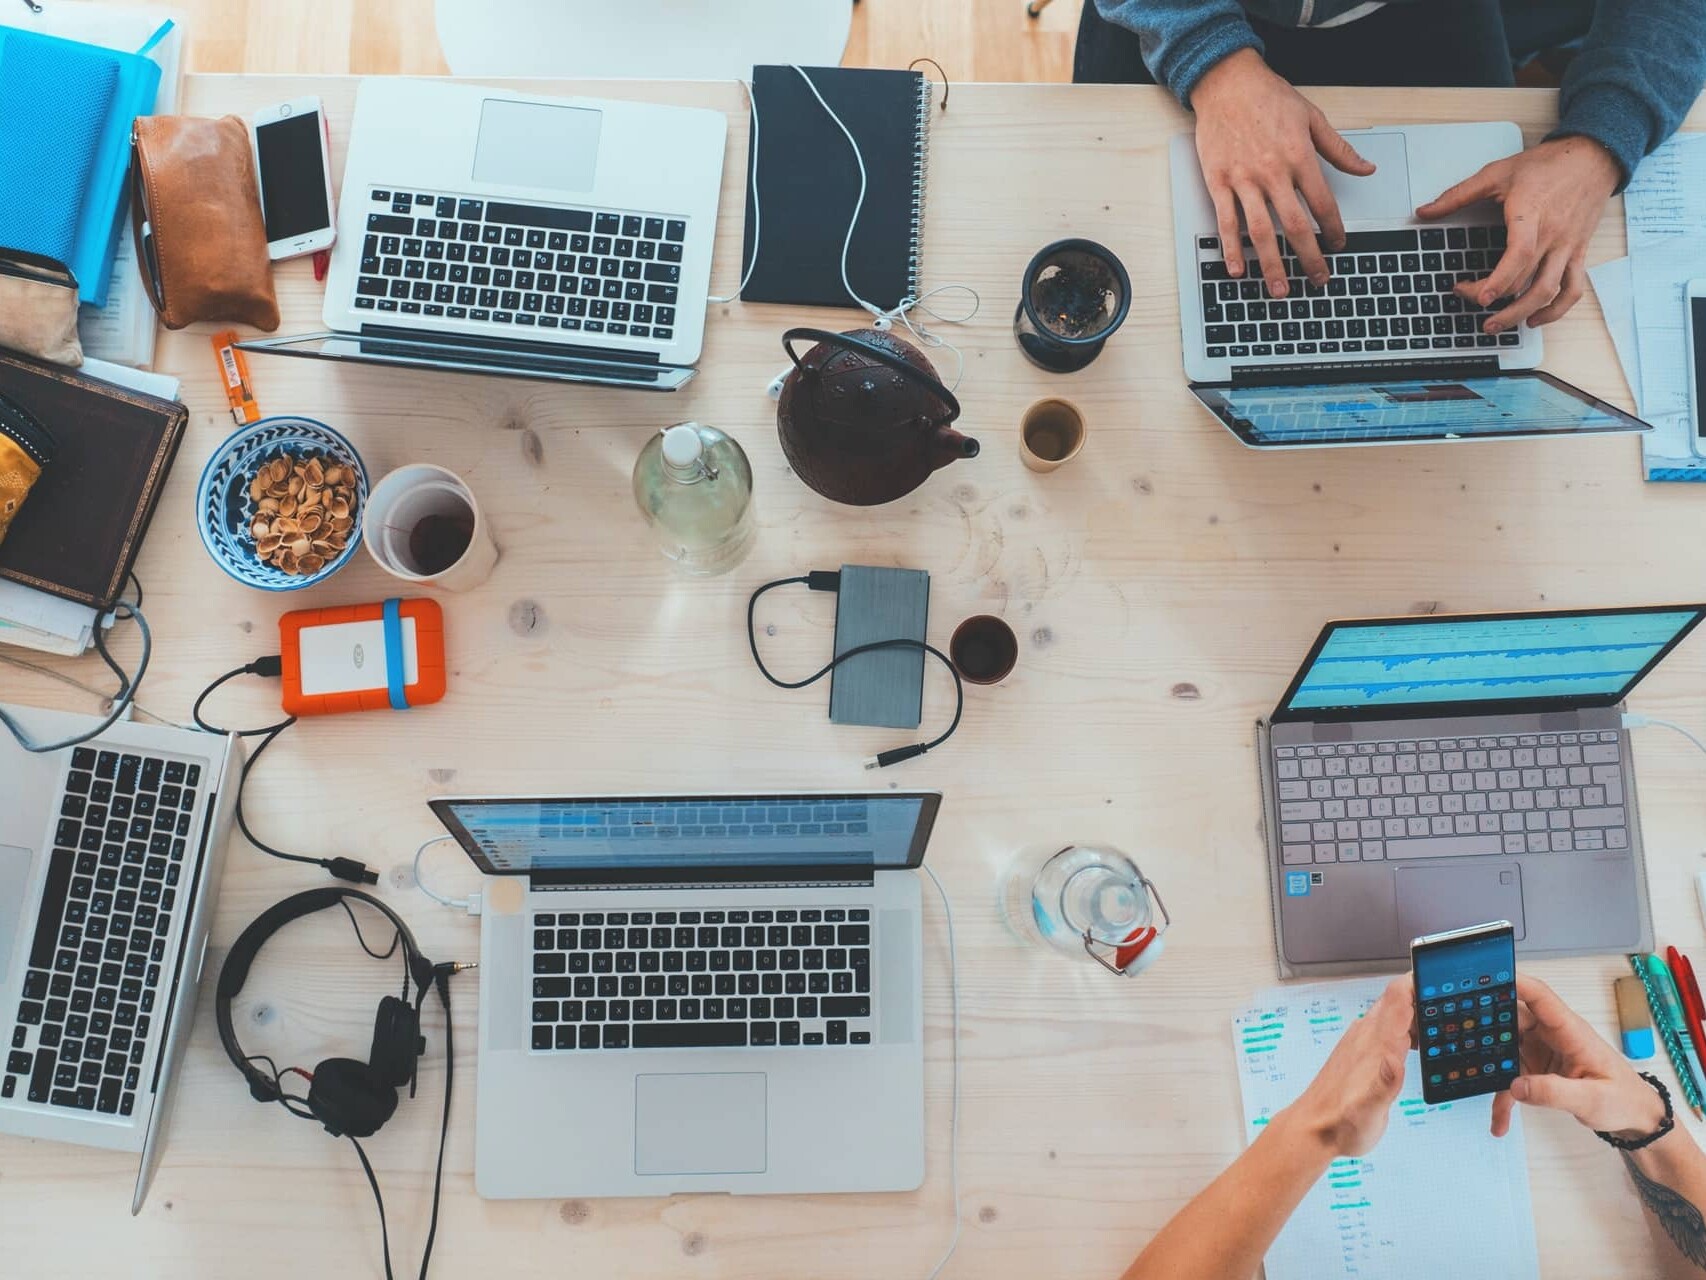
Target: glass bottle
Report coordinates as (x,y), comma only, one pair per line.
(693,484)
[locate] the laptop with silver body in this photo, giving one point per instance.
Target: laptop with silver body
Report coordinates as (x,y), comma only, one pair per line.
(1427,772)
(612,205)
(49,901)
(706,1088)
(1384,353)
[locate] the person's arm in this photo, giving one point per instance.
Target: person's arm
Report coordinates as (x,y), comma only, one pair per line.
(1639,71)
(1257,137)
(1181,39)
(1224,1232)
(1568,1067)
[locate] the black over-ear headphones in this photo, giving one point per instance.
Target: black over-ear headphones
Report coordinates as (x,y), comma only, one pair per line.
(349,1097)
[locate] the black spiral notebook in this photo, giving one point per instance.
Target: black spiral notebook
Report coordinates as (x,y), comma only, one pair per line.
(808,184)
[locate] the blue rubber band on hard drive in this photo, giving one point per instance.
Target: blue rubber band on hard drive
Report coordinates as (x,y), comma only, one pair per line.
(394,654)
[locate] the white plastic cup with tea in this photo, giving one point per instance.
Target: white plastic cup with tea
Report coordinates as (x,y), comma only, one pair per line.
(422,524)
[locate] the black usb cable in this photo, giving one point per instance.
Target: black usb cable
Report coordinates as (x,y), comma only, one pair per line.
(829,580)
(343,868)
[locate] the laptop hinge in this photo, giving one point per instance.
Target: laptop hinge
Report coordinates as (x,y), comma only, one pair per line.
(521,346)
(1287,375)
(542,884)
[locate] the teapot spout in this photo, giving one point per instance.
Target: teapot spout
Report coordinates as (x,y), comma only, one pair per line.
(951,446)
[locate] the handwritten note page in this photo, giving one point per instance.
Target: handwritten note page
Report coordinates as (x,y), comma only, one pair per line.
(1665,208)
(1438,1179)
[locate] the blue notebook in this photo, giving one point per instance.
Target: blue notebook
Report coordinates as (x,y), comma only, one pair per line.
(65,114)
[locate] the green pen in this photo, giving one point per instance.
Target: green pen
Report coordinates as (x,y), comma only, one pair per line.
(1670,1009)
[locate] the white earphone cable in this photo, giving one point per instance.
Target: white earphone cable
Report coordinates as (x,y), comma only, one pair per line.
(880,318)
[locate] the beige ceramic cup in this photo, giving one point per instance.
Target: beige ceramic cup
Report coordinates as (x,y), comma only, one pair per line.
(1051,433)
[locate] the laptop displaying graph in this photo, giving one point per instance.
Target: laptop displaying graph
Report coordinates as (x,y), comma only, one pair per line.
(1463,664)
(1409,405)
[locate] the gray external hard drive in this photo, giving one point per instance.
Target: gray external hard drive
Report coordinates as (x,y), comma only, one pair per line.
(885,688)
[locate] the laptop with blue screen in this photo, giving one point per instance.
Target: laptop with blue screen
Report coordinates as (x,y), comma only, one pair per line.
(699,993)
(1320,406)
(1426,773)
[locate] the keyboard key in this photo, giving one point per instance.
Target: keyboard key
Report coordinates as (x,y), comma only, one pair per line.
(696,1035)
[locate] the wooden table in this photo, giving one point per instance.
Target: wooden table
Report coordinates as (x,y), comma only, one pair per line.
(1163,588)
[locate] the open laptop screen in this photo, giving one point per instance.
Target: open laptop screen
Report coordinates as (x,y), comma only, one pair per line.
(1400,409)
(1469,663)
(665,836)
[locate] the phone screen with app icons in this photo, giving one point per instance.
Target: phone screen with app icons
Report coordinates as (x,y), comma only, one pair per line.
(1466,1026)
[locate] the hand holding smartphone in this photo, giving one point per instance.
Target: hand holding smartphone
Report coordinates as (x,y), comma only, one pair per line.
(1466,1023)
(293,162)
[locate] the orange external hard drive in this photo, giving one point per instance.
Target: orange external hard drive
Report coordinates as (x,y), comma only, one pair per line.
(362,657)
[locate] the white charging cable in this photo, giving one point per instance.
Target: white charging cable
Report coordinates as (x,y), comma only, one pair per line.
(880,319)
(470,904)
(954,1111)
(1633,721)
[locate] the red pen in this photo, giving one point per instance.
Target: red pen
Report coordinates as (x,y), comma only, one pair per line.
(1692,1008)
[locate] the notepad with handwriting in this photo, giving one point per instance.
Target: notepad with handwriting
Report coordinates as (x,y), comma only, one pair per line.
(1437,1176)
(808,185)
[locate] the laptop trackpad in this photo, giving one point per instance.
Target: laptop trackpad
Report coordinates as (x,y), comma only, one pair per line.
(1384,196)
(14,879)
(1471,891)
(709,1123)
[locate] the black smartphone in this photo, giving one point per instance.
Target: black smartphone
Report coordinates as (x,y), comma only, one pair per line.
(1466,1010)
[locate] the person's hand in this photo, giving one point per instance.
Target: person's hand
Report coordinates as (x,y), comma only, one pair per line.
(1568,1066)
(1553,196)
(1348,1102)
(1257,138)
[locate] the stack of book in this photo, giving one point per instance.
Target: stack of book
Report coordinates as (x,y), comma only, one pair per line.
(136,54)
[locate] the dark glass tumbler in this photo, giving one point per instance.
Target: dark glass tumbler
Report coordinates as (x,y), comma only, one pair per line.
(1075,294)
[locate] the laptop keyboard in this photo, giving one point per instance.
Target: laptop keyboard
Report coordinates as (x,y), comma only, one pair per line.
(525,266)
(739,978)
(99,950)
(1390,291)
(1446,797)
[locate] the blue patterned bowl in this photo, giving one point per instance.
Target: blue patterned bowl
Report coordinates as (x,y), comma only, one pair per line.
(224,509)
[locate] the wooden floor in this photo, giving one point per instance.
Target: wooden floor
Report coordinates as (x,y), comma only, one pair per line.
(972,39)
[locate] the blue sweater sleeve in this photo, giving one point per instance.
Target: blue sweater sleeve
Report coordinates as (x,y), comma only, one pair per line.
(1181,39)
(1638,73)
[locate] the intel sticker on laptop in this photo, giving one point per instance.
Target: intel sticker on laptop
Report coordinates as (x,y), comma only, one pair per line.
(1297,884)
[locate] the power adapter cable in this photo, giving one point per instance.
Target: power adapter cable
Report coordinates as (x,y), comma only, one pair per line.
(1633,721)
(829,580)
(350,869)
(471,904)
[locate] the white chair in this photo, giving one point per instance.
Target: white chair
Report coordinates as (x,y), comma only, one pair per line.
(638,39)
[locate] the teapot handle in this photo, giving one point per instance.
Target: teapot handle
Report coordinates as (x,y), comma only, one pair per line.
(894,362)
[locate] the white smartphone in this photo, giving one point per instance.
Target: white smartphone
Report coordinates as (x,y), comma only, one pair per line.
(1694,323)
(293,163)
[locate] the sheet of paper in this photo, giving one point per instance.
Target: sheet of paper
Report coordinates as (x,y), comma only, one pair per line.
(124,330)
(1614,285)
(1437,1175)
(163,385)
(36,620)
(1665,208)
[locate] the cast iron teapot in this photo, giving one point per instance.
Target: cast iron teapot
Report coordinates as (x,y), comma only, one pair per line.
(863,418)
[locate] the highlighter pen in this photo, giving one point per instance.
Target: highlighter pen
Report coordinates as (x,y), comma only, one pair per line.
(1670,1009)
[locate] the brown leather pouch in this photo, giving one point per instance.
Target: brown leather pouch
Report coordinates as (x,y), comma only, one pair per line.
(195,210)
